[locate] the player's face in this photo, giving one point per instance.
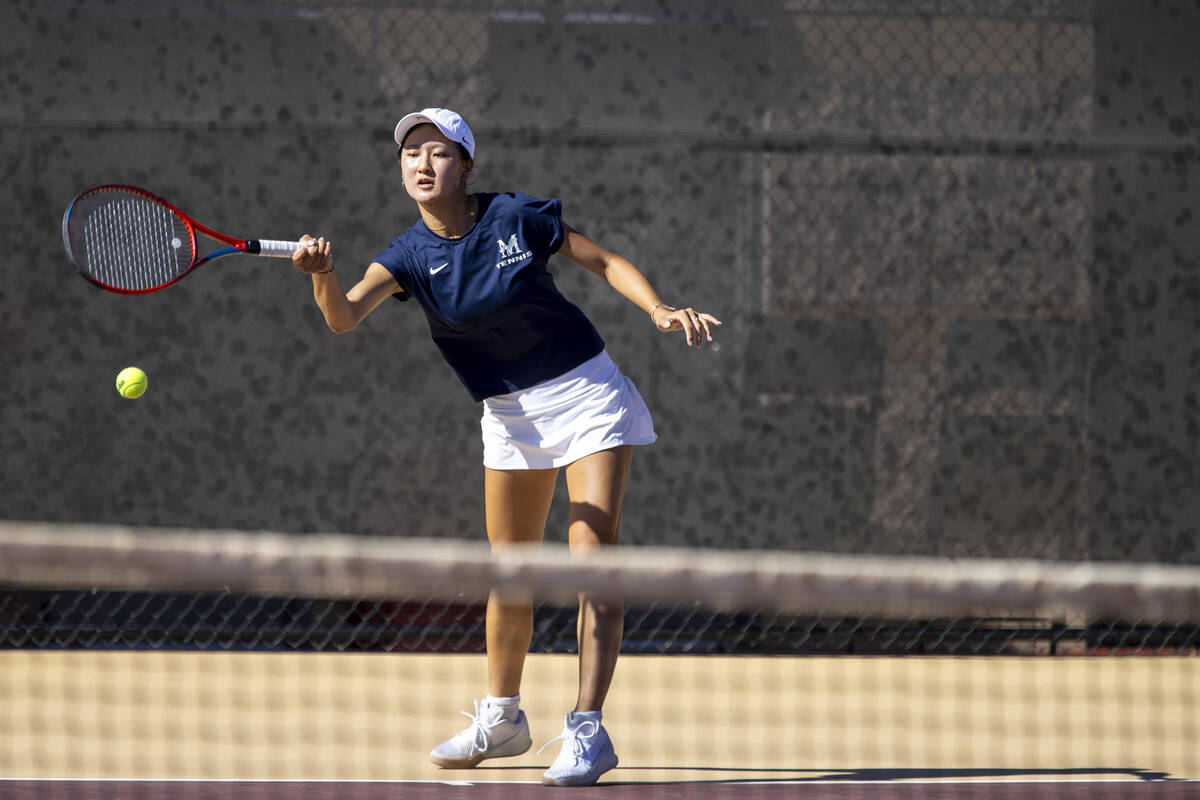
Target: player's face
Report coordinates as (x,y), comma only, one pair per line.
(433,166)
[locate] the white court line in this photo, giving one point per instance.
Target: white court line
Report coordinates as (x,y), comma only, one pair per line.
(733,781)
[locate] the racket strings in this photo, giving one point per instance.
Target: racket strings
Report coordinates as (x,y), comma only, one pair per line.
(130,242)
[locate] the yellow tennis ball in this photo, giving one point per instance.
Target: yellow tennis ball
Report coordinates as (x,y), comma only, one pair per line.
(131,382)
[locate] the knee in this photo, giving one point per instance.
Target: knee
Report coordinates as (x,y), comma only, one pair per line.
(587,534)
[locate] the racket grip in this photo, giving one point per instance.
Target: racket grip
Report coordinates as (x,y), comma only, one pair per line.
(271,247)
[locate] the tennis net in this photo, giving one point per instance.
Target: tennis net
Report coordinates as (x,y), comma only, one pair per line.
(141,662)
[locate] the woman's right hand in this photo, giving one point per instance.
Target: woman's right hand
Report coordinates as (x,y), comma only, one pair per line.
(313,255)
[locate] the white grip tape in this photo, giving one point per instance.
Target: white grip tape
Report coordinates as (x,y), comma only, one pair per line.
(278,249)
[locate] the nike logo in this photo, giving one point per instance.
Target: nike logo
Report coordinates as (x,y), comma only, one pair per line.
(436,270)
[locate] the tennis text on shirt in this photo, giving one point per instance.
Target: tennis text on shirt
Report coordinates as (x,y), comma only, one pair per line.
(491,303)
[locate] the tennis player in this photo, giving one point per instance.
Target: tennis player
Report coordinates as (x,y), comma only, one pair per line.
(553,400)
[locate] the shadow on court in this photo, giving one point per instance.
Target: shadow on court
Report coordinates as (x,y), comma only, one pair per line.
(876,775)
(869,784)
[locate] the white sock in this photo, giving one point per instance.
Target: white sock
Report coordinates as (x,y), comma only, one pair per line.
(509,706)
(594,716)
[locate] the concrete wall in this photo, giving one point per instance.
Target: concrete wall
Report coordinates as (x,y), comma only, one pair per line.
(952,244)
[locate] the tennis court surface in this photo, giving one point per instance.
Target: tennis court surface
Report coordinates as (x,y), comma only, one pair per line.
(148,664)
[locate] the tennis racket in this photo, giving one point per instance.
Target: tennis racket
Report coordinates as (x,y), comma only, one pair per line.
(127,240)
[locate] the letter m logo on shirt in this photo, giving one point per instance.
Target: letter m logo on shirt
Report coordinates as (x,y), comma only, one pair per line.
(511,248)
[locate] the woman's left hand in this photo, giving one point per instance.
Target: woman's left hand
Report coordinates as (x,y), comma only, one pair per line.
(696,325)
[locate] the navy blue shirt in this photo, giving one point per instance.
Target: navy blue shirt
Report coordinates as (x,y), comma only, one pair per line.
(491,303)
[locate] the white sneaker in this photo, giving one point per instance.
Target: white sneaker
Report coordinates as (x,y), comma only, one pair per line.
(587,753)
(489,735)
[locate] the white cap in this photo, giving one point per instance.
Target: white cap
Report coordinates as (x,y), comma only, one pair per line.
(452,126)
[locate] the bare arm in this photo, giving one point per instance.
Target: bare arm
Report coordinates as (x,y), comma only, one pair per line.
(627,279)
(343,311)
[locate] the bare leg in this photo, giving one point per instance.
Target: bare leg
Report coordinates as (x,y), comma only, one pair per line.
(596,484)
(517,502)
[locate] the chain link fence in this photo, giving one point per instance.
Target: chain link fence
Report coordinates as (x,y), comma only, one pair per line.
(240,622)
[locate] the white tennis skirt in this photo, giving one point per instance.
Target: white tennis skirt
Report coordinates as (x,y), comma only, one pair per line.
(591,408)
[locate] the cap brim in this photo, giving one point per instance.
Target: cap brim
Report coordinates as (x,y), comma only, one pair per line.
(410,121)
